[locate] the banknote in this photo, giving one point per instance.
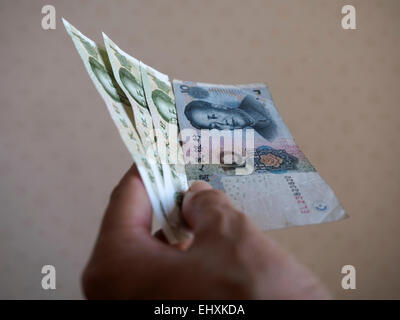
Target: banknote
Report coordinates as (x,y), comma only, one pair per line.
(161,103)
(127,72)
(231,136)
(279,187)
(98,66)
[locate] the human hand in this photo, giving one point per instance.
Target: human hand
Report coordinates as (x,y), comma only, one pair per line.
(229,258)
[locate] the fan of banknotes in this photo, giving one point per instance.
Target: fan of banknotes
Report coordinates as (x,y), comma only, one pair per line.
(231,136)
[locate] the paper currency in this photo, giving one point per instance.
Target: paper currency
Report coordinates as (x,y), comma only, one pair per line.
(128,73)
(98,66)
(161,102)
(232,137)
(161,99)
(282,188)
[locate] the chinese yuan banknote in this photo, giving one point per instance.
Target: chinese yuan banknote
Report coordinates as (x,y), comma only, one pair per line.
(149,104)
(123,113)
(257,162)
(231,136)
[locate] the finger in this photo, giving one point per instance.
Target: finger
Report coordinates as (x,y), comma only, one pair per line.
(129,207)
(207,209)
(125,232)
(196,186)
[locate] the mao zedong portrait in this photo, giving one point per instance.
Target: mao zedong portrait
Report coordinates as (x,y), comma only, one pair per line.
(107,81)
(133,86)
(249,114)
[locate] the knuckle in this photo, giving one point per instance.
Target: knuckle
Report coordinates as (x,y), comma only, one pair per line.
(220,224)
(241,225)
(208,198)
(233,225)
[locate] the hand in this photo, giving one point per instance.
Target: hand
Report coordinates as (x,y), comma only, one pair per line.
(229,258)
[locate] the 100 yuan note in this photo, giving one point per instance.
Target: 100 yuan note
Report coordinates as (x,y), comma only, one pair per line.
(97,65)
(281,188)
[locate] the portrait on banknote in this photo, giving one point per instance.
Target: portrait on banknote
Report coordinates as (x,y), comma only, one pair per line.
(250,113)
(133,86)
(104,78)
(99,70)
(165,105)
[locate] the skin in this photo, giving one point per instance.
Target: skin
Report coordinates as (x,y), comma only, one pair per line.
(221,118)
(229,258)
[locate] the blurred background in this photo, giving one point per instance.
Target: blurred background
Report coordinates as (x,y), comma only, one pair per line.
(337,90)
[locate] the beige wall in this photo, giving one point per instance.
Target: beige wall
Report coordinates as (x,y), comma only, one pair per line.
(337,90)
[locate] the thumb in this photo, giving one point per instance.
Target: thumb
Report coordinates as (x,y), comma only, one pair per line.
(207,210)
